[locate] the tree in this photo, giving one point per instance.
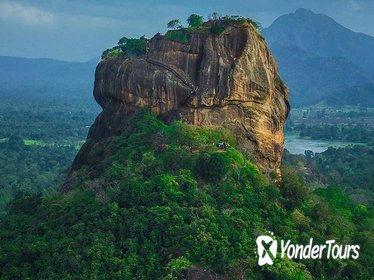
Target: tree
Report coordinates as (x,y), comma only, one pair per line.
(174,24)
(16,142)
(195,20)
(215,16)
(133,46)
(293,188)
(255,24)
(213,167)
(309,154)
(122,41)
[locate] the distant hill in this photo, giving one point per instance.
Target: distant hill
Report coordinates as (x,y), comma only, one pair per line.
(26,76)
(320,35)
(318,57)
(362,95)
(312,77)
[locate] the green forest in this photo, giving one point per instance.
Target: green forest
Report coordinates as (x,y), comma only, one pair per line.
(350,168)
(31,168)
(359,133)
(39,138)
(165,199)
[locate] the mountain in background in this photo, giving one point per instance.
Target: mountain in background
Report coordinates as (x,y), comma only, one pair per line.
(27,76)
(361,95)
(319,58)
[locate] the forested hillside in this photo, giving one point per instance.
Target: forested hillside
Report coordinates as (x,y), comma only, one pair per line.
(165,201)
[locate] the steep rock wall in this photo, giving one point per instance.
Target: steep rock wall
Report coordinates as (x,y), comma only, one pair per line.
(229,80)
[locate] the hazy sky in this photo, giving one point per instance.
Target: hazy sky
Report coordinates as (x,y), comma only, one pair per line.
(79,30)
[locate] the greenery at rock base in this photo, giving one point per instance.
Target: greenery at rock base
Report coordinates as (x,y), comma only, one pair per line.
(163,199)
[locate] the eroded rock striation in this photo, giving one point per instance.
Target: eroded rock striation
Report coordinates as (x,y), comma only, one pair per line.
(228,80)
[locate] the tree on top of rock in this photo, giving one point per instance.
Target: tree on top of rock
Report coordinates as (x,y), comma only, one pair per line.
(133,46)
(195,20)
(174,24)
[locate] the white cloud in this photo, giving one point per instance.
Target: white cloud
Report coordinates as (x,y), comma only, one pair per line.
(355,5)
(23,14)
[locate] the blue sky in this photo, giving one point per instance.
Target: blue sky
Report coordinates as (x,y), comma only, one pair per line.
(78,30)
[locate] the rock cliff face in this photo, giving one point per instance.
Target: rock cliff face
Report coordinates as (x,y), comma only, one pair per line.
(227,80)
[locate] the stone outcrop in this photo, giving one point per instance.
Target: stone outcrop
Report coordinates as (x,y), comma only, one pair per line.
(227,80)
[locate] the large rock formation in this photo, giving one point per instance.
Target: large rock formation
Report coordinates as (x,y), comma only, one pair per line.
(227,80)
